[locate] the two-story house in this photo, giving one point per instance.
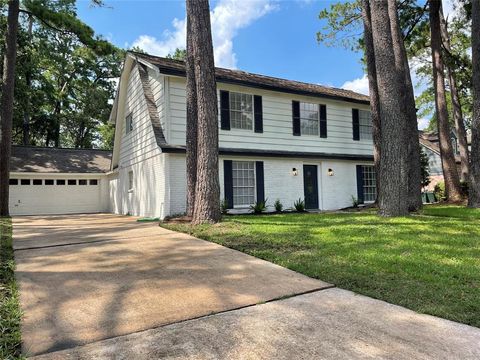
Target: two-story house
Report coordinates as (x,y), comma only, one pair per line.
(278,139)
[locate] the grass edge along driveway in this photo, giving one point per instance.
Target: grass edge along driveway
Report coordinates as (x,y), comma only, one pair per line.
(428,262)
(10,313)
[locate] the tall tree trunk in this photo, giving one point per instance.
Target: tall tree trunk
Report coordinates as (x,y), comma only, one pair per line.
(373,87)
(393,162)
(207,189)
(450,174)
(474,184)
(191,133)
(28,81)
(456,105)
(6,111)
(413,145)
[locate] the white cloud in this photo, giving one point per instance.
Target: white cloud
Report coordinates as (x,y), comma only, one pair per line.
(423,123)
(359,85)
(227,18)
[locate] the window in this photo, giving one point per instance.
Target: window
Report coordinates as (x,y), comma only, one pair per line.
(243,176)
(72,182)
(49,182)
(25,182)
(82,182)
(60,182)
(130,181)
(309,118)
(241,111)
(365,124)
(369,184)
(37,182)
(13,182)
(129,123)
(93,182)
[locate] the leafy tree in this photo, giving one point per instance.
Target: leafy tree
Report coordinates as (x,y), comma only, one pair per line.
(179,54)
(424,168)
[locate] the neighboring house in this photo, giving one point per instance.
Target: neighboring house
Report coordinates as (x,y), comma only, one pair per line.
(430,145)
(278,139)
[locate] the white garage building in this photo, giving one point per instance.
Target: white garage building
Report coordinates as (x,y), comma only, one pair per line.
(58,181)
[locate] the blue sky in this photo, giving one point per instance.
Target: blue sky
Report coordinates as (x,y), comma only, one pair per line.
(270,37)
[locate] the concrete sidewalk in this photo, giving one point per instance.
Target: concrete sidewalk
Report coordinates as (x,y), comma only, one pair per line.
(327,324)
(92,277)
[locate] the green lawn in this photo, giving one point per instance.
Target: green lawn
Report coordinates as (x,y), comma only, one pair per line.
(428,262)
(10,313)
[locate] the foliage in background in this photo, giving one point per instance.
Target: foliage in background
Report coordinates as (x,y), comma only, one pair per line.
(299,205)
(10,314)
(66,78)
(278,205)
(439,191)
(425,168)
(259,207)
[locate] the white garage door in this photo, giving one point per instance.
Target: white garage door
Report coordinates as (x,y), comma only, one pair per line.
(35,196)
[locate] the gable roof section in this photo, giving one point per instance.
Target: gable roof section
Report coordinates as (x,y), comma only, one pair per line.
(430,141)
(151,106)
(177,68)
(59,160)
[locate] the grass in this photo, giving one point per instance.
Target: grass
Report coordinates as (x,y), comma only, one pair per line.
(429,262)
(10,314)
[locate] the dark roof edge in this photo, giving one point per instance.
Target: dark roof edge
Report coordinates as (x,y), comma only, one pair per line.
(172,149)
(58,148)
(169,71)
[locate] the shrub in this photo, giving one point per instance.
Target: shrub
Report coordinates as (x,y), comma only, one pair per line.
(354,202)
(259,207)
(299,205)
(278,205)
(464,188)
(439,191)
(224,206)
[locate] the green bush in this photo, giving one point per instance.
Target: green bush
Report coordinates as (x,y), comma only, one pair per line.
(439,191)
(299,205)
(354,202)
(278,205)
(259,207)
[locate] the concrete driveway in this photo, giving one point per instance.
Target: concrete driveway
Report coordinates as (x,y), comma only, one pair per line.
(85,278)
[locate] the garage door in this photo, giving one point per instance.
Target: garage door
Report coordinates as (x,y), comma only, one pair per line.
(54,196)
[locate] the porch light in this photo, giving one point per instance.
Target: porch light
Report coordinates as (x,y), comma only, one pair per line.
(330,172)
(294,172)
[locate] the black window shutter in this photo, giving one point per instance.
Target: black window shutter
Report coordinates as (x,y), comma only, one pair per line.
(224,110)
(323,121)
(260,181)
(355,124)
(296,117)
(228,182)
(360,184)
(258,108)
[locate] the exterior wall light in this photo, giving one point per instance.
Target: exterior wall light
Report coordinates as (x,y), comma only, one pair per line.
(330,172)
(294,172)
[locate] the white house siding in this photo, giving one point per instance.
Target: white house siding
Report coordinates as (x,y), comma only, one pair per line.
(335,192)
(139,153)
(277,123)
(434,162)
(58,199)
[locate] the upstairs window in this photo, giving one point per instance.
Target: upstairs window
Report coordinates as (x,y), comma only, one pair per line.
(365,124)
(309,119)
(241,111)
(129,123)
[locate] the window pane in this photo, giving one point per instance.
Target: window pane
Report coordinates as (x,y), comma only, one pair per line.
(60,182)
(241,111)
(309,118)
(25,182)
(365,121)
(82,182)
(13,182)
(49,182)
(369,183)
(37,181)
(72,182)
(94,182)
(243,182)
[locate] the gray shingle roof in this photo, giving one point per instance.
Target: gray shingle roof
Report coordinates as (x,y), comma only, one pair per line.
(58,160)
(176,67)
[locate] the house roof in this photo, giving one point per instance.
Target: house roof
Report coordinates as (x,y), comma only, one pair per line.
(59,160)
(430,140)
(177,67)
